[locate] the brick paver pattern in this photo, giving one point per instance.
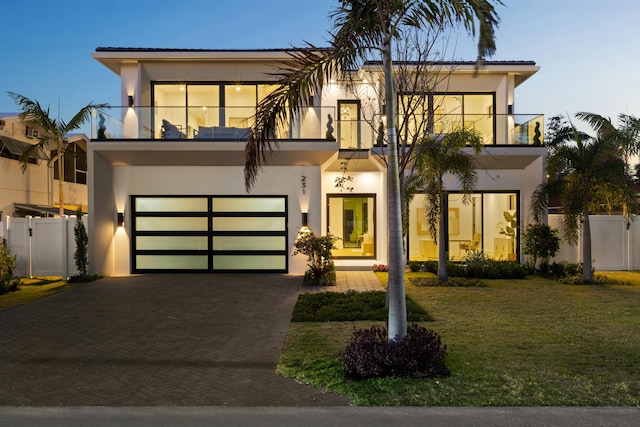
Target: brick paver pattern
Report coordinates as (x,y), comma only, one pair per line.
(169,340)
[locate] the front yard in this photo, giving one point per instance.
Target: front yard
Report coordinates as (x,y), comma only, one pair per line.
(533,342)
(34,289)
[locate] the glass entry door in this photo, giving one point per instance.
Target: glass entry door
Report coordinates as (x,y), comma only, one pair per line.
(352,219)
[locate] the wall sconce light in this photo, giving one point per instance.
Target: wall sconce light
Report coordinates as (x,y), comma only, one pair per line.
(305,219)
(130,100)
(510,109)
(120,219)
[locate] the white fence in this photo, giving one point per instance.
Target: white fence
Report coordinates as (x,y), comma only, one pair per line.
(615,244)
(42,246)
(45,246)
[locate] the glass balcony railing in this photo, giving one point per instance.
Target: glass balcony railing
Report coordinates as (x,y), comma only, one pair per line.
(496,129)
(316,123)
(204,123)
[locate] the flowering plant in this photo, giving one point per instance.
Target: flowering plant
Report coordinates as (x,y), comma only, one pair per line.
(321,270)
(380,267)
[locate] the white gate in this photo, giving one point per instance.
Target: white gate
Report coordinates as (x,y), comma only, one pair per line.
(42,246)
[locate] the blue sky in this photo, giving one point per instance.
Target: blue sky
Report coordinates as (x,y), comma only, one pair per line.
(587,49)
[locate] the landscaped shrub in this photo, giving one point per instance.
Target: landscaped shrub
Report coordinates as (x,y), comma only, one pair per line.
(563,269)
(475,265)
(7,266)
(82,243)
(322,270)
(541,241)
(369,354)
(414,266)
(350,306)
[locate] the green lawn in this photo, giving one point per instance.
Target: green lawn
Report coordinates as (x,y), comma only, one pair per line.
(533,342)
(34,289)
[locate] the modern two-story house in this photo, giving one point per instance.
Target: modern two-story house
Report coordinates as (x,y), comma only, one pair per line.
(166,181)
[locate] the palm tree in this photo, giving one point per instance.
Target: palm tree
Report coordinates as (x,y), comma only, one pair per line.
(580,169)
(438,157)
(363,28)
(626,136)
(53,137)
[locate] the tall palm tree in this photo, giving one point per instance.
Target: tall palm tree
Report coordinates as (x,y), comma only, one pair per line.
(580,168)
(438,157)
(362,29)
(53,137)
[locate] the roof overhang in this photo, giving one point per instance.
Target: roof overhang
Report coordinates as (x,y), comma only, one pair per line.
(19,148)
(198,153)
(113,58)
(40,210)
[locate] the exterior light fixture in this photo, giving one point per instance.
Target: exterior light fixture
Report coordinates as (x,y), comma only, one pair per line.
(510,109)
(305,219)
(120,219)
(130,101)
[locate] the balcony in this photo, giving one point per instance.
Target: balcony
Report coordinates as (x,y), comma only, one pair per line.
(315,124)
(203,123)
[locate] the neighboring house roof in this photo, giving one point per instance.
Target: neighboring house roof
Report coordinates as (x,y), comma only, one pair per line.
(23,209)
(18,148)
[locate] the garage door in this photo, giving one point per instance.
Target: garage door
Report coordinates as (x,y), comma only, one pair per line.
(209,234)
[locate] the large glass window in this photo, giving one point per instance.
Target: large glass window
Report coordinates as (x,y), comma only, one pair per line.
(445,113)
(352,219)
(487,223)
(193,110)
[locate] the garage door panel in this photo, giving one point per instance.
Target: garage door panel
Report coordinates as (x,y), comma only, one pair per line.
(249,262)
(172,204)
(171,224)
(249,224)
(172,262)
(172,242)
(248,243)
(252,204)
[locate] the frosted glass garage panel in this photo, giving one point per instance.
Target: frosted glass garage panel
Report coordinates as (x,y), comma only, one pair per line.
(172,262)
(249,204)
(249,224)
(171,224)
(249,262)
(249,243)
(171,242)
(172,204)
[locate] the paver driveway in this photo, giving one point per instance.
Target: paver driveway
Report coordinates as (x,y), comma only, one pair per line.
(155,340)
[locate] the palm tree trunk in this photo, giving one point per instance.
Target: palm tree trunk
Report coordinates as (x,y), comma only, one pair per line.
(395,288)
(443,276)
(587,274)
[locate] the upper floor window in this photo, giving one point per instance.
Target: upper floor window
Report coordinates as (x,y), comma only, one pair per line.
(192,110)
(74,164)
(437,113)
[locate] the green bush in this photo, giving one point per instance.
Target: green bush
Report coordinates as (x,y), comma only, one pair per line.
(322,270)
(541,241)
(82,242)
(7,266)
(475,265)
(369,354)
